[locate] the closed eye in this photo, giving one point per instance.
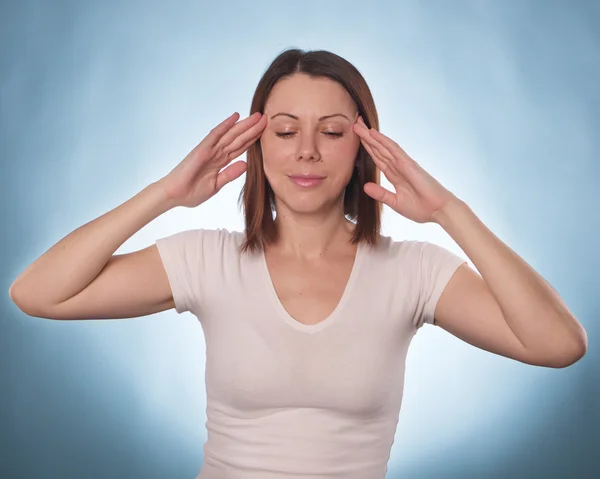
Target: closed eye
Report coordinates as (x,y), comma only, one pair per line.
(288,134)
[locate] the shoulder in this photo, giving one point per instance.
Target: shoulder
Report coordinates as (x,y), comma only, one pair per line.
(203,236)
(412,249)
(201,244)
(220,237)
(419,259)
(404,249)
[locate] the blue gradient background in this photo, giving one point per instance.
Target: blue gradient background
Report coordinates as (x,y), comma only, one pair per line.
(498,100)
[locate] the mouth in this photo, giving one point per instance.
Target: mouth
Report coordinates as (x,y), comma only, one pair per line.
(308,177)
(307,181)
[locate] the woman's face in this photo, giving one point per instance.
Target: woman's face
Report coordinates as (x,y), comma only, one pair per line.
(301,137)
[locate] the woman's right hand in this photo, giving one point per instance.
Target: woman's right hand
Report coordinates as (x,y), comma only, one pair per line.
(199,177)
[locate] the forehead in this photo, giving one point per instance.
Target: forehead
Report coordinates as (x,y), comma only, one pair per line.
(301,93)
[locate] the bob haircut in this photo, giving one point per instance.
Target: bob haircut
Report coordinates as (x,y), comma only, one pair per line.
(258,196)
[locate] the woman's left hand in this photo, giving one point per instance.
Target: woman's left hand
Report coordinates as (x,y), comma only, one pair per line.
(419,196)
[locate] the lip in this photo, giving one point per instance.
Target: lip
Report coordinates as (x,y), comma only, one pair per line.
(308,177)
(307,181)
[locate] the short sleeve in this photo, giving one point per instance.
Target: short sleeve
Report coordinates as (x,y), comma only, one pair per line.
(181,257)
(435,267)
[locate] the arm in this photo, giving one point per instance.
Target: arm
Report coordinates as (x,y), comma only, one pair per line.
(69,266)
(80,277)
(510,309)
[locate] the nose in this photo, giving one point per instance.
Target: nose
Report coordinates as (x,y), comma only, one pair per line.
(307,148)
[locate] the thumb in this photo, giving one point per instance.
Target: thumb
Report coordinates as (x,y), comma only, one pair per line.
(379,193)
(232,172)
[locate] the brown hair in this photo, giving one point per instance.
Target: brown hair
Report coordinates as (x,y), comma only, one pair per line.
(258,196)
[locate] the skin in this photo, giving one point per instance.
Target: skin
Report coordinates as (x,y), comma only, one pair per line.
(311,221)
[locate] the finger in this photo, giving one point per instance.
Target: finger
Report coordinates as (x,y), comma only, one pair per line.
(377,146)
(385,140)
(242,148)
(390,173)
(392,146)
(383,154)
(381,164)
(240,128)
(218,131)
(252,133)
(232,172)
(360,123)
(379,193)
(230,155)
(376,153)
(367,134)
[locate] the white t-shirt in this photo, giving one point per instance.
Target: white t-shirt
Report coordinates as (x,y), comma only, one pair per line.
(289,400)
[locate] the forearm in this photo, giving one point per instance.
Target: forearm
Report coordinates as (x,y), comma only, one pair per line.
(532,308)
(72,263)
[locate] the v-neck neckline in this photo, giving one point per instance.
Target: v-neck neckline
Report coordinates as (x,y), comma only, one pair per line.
(333,316)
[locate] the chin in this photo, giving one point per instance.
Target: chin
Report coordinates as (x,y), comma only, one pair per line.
(306,203)
(304,207)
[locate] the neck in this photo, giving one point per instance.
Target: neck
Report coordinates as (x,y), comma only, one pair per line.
(311,238)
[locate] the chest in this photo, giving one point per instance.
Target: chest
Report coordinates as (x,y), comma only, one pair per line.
(260,363)
(309,292)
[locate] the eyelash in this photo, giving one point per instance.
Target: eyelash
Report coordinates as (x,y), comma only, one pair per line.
(290,133)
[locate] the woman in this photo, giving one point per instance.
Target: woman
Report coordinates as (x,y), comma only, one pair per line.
(308,314)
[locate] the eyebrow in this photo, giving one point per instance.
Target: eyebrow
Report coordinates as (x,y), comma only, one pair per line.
(320,119)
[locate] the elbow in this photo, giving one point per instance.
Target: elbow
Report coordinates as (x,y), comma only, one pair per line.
(17,297)
(566,362)
(14,296)
(575,354)
(573,350)
(581,346)
(559,355)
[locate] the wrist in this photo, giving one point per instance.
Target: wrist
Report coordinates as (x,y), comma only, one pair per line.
(444,215)
(159,197)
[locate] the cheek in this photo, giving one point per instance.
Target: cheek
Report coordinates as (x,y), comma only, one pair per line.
(344,155)
(272,160)
(276,151)
(348,149)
